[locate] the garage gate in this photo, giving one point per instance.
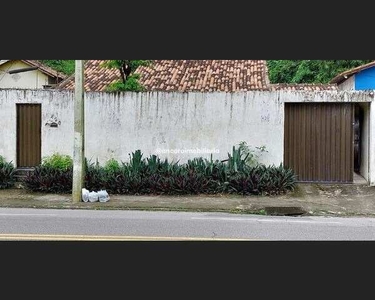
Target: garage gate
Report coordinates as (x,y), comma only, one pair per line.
(318,141)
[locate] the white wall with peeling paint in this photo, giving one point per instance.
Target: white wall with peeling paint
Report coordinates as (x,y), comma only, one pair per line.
(55,104)
(119,123)
(348,84)
(364,168)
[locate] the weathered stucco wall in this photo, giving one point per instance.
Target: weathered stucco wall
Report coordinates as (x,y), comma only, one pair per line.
(348,84)
(325,96)
(372,145)
(54,104)
(119,123)
(364,168)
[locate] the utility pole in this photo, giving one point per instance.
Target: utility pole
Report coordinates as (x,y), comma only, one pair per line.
(79,133)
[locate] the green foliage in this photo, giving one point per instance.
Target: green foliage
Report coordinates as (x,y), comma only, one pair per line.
(6,174)
(153,175)
(54,175)
(309,71)
(112,166)
(46,178)
(131,84)
(63,66)
(133,64)
(262,180)
(130,81)
(58,161)
(96,176)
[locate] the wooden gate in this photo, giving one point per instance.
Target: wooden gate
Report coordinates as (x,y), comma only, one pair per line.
(318,141)
(28,135)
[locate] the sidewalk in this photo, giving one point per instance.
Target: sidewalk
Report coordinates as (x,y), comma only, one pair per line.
(307,199)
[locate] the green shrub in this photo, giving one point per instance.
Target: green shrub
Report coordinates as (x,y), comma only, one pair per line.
(112,166)
(6,174)
(54,175)
(96,176)
(49,179)
(58,161)
(263,180)
(153,175)
(132,84)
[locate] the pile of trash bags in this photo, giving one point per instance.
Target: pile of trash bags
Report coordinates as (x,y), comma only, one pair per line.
(101,196)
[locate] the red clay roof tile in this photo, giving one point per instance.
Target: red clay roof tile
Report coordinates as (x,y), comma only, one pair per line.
(193,76)
(182,75)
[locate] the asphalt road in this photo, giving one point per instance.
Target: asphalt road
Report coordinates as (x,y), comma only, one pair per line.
(64,224)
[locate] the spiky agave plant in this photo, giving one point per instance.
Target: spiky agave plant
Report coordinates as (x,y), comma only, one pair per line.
(6,174)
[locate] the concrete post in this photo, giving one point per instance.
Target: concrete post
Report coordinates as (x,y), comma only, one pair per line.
(79,133)
(372,145)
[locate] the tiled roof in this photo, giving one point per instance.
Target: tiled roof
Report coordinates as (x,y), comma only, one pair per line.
(96,78)
(47,70)
(344,75)
(183,75)
(303,87)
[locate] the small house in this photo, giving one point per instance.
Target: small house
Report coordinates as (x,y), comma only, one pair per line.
(27,74)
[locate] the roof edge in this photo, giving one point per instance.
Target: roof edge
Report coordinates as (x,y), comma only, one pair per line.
(347,74)
(45,69)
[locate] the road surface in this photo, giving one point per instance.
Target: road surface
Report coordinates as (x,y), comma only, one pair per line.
(64,224)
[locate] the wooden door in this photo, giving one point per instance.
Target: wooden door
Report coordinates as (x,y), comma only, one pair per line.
(318,141)
(28,135)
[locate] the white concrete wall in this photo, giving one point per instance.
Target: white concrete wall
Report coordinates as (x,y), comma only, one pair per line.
(325,96)
(372,145)
(25,80)
(54,104)
(119,123)
(364,168)
(183,121)
(348,84)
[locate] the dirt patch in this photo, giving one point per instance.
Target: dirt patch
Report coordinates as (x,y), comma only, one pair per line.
(18,194)
(298,192)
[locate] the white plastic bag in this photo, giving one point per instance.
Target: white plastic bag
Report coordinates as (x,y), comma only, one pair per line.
(85,195)
(93,196)
(103,196)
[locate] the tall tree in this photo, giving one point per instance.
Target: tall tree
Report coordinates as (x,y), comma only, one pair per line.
(309,71)
(64,66)
(129,80)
